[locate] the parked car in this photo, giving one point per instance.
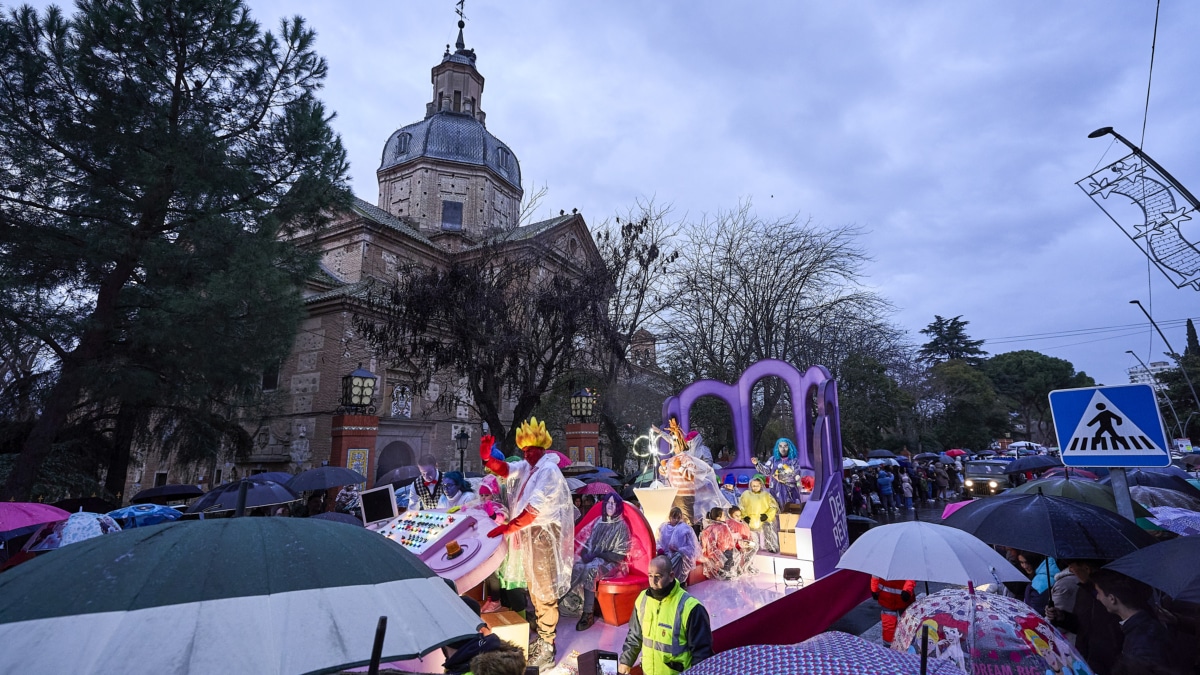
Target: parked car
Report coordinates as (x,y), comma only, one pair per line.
(982,478)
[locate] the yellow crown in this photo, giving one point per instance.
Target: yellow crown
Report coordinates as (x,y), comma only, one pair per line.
(533,434)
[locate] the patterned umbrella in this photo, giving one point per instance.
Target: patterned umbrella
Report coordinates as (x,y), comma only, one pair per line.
(819,656)
(78,527)
(140,515)
(595,489)
(15,515)
(1177,520)
(247,595)
(986,633)
(1156,497)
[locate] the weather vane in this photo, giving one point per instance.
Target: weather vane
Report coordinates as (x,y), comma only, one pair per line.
(459,9)
(1166,233)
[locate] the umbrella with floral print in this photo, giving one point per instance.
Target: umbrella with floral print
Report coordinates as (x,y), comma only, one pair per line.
(78,527)
(986,633)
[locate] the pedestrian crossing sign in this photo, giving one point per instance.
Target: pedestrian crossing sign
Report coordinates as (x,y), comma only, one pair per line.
(1116,426)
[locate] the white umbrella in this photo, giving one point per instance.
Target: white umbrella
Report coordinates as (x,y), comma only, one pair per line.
(851,463)
(927,552)
(574,483)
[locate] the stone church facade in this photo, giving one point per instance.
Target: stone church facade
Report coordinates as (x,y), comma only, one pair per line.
(446,187)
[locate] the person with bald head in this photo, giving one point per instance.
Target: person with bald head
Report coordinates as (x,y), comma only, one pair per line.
(669,627)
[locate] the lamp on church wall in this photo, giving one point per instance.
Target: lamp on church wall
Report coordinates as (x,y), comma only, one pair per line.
(358,390)
(582,403)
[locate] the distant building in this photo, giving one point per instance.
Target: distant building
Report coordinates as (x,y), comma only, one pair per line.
(1140,375)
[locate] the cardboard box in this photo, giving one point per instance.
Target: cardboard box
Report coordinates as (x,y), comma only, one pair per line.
(787,522)
(510,627)
(787,543)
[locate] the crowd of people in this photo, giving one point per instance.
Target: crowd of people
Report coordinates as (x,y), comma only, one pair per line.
(880,491)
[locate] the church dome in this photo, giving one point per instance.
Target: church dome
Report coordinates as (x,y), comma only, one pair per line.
(454,137)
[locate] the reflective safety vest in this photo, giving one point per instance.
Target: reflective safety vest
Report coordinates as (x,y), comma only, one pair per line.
(664,628)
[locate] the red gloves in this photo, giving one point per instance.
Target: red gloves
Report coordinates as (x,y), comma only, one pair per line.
(497,466)
(527,516)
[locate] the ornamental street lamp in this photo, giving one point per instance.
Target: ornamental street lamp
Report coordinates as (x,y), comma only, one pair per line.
(460,442)
(582,403)
(358,390)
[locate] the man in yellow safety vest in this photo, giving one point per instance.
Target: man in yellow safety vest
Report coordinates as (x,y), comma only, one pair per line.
(669,627)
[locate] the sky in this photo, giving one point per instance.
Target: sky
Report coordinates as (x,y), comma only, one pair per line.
(952,133)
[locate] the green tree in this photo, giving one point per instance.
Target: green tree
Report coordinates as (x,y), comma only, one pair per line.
(1024,380)
(869,402)
(948,341)
(158,156)
(968,411)
(1193,343)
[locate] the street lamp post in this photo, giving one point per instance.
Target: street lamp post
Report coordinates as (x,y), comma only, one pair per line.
(460,442)
(582,403)
(582,436)
(1171,405)
(1171,349)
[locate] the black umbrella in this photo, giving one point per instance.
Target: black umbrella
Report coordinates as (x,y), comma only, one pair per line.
(399,476)
(1169,566)
(926,456)
(1053,526)
(339,518)
(166,493)
(880,454)
(325,477)
(1035,463)
(89,504)
(258,493)
(1155,479)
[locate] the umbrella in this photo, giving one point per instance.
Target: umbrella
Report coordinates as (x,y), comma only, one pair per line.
(166,493)
(1034,463)
(590,478)
(1151,497)
(1155,479)
(258,493)
(871,656)
(212,595)
(89,504)
(1171,470)
(1169,566)
(78,527)
(595,489)
(325,477)
(1071,473)
(926,456)
(1053,526)
(880,454)
(1192,459)
(1177,520)
(140,515)
(15,515)
(1089,492)
(853,463)
(986,633)
(574,484)
(954,506)
(336,517)
(927,552)
(563,460)
(399,476)
(955,452)
(281,477)
(578,468)
(815,659)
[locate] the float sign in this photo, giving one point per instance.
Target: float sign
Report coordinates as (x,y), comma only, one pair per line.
(1117,426)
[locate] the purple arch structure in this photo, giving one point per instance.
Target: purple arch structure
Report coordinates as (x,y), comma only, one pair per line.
(821,534)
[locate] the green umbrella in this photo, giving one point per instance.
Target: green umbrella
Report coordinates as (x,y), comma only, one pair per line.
(254,595)
(1086,491)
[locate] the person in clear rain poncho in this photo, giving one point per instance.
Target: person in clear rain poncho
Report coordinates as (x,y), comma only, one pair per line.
(604,555)
(677,540)
(539,533)
(696,484)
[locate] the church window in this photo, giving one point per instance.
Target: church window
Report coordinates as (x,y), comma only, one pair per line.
(452,215)
(402,144)
(270,378)
(458,101)
(503,158)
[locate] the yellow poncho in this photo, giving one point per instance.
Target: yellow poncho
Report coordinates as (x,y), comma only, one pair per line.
(755,504)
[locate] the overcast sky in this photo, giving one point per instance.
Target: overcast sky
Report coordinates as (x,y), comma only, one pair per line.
(952,132)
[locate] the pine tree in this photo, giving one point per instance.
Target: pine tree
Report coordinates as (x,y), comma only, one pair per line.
(1193,344)
(159,156)
(949,341)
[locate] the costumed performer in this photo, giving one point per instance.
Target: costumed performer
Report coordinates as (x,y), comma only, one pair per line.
(456,491)
(786,472)
(697,448)
(426,490)
(759,509)
(540,533)
(695,482)
(677,540)
(603,556)
(717,547)
(743,539)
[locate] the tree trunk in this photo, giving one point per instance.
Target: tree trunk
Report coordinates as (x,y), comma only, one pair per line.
(118,461)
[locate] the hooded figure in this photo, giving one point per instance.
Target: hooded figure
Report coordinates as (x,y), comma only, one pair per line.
(539,534)
(456,491)
(697,448)
(698,489)
(604,555)
(759,509)
(785,468)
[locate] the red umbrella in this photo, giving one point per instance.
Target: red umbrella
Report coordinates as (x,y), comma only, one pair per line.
(595,489)
(15,515)
(1072,472)
(955,452)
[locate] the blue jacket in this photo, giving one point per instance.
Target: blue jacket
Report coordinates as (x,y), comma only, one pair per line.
(885,482)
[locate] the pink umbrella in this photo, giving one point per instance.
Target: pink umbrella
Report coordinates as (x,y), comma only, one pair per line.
(952,507)
(595,489)
(563,460)
(15,515)
(955,452)
(1073,473)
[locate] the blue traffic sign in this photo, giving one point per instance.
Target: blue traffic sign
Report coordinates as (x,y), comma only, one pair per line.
(1116,426)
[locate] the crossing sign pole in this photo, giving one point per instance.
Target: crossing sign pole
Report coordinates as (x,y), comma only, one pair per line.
(1115,427)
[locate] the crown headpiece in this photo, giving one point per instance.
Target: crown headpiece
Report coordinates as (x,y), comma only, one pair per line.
(533,434)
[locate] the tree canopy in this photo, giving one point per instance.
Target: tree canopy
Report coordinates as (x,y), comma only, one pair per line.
(156,156)
(948,341)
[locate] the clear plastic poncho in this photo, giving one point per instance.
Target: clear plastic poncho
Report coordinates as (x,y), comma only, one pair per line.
(540,555)
(601,536)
